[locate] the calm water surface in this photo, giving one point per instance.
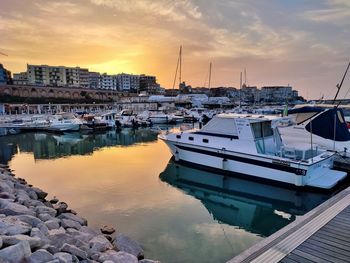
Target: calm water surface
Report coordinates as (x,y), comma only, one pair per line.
(127,180)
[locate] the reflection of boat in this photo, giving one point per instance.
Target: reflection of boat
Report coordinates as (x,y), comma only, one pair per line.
(68,138)
(251,146)
(258,208)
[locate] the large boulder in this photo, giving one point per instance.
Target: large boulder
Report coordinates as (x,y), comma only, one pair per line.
(81,254)
(16,253)
(107,230)
(63,257)
(118,257)
(124,243)
(31,220)
(34,242)
(67,223)
(70,216)
(148,261)
(53,223)
(13,226)
(9,208)
(40,256)
(100,244)
(40,193)
(44,209)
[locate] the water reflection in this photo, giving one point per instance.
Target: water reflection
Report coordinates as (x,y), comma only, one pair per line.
(52,146)
(258,208)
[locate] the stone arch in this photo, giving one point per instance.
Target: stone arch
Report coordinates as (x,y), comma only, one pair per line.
(51,93)
(33,92)
(7,91)
(75,95)
(15,92)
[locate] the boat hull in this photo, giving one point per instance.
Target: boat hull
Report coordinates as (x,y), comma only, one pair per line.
(256,168)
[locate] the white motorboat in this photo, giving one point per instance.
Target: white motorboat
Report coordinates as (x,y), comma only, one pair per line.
(251,147)
(62,122)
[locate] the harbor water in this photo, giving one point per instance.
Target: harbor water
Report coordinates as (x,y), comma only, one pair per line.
(127,180)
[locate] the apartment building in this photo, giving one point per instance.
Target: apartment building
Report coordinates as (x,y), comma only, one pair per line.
(20,78)
(44,75)
(94,80)
(108,82)
(128,82)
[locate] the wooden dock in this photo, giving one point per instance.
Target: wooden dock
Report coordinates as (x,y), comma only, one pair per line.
(322,235)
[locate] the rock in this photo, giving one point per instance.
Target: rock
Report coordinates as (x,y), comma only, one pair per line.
(44,209)
(40,256)
(67,223)
(5,186)
(32,194)
(60,207)
(48,204)
(124,243)
(83,236)
(10,208)
(16,253)
(40,193)
(118,257)
(31,220)
(148,261)
(80,220)
(54,261)
(54,200)
(34,242)
(63,257)
(0,242)
(53,224)
(6,195)
(100,244)
(45,217)
(74,251)
(13,226)
(52,249)
(107,230)
(22,196)
(60,230)
(36,232)
(43,228)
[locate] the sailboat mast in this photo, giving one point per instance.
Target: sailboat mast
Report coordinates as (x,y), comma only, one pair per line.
(240,91)
(209,74)
(180,59)
(245,77)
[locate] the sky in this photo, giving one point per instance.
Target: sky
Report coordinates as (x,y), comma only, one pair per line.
(302,43)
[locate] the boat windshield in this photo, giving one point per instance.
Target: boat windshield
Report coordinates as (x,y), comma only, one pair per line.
(262,129)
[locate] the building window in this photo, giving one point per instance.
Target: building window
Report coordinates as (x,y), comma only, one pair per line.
(205,140)
(191,138)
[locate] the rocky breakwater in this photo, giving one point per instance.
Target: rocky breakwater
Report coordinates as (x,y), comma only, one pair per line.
(33,229)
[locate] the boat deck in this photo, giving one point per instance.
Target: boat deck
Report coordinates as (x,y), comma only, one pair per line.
(322,235)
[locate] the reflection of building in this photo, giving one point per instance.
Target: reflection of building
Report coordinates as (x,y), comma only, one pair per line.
(258,208)
(5,75)
(50,146)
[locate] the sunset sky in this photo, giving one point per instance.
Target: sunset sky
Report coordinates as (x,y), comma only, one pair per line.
(304,43)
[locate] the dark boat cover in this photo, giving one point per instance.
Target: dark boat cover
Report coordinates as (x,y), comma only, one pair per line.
(325,123)
(306,109)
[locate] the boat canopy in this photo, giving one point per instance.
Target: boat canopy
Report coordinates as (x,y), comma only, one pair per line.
(221,125)
(330,125)
(306,109)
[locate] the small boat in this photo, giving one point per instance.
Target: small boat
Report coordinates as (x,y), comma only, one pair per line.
(250,146)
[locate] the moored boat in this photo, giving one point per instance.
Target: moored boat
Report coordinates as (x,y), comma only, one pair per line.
(250,146)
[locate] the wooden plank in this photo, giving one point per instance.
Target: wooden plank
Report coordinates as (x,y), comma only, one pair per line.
(320,255)
(337,229)
(299,259)
(309,256)
(341,224)
(288,260)
(328,246)
(330,242)
(330,238)
(342,217)
(323,251)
